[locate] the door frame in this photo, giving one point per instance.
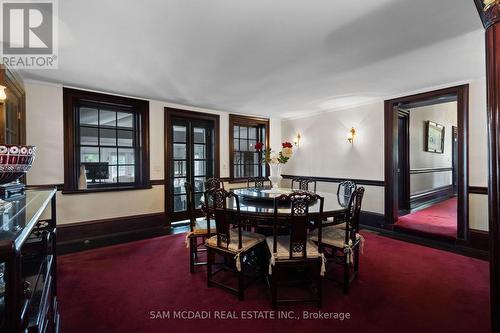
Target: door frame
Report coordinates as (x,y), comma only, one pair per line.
(405,152)
(391,154)
(170,113)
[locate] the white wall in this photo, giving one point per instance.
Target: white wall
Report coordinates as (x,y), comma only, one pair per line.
(44,111)
(443,114)
(324,150)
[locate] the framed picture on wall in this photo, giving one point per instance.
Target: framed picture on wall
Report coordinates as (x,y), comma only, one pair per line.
(434,137)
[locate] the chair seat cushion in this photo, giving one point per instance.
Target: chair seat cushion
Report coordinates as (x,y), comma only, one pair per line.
(248,240)
(200,227)
(283,248)
(333,236)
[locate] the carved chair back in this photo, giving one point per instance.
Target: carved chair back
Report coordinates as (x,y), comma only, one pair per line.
(256,182)
(213,183)
(303,184)
(353,215)
(297,220)
(225,218)
(345,190)
(191,209)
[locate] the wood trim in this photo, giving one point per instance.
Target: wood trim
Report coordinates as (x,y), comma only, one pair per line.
(157,182)
(478,239)
(431,196)
(70,98)
(429,170)
(491,20)
(478,190)
(90,234)
(169,113)
(391,141)
(245,121)
(365,182)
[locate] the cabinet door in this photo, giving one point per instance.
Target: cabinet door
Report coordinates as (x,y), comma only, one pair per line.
(12,112)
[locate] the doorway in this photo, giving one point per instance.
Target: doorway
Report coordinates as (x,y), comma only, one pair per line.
(431,188)
(192,155)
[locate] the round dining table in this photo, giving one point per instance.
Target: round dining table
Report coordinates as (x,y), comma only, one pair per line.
(258,203)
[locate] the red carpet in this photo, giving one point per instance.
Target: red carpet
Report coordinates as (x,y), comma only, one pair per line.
(402,287)
(439,220)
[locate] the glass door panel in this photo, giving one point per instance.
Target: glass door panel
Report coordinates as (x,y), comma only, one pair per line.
(192,161)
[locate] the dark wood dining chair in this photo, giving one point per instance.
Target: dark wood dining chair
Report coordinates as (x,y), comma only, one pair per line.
(294,254)
(234,244)
(344,192)
(302,184)
(199,230)
(343,246)
(213,183)
(257,182)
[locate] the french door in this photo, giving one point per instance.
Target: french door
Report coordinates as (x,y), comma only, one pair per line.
(191,160)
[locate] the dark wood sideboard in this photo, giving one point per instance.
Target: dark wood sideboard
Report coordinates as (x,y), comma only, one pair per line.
(28,295)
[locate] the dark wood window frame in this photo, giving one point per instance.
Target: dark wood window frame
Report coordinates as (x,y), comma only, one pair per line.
(235,120)
(71,99)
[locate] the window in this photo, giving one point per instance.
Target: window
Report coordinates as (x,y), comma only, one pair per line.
(108,137)
(244,133)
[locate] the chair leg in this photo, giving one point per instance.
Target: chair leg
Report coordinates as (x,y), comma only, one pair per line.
(320,287)
(241,281)
(346,277)
(356,259)
(274,290)
(191,255)
(210,259)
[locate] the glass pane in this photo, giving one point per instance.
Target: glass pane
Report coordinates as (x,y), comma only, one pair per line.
(180,203)
(125,138)
(179,134)
(243,132)
(108,137)
(126,156)
(126,174)
(236,144)
(197,199)
(256,170)
(199,168)
(199,135)
(236,133)
(251,145)
(180,169)
(237,158)
(109,156)
(243,145)
(125,119)
(107,118)
(199,184)
(178,185)
(111,176)
(96,172)
(89,136)
(252,133)
(89,154)
(179,151)
(199,151)
(88,116)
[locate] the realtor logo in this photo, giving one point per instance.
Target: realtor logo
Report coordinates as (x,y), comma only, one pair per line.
(28,36)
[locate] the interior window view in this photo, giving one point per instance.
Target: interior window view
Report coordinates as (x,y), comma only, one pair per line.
(249,166)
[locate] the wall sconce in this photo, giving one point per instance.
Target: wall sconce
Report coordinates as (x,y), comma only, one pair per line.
(3,96)
(296,140)
(351,134)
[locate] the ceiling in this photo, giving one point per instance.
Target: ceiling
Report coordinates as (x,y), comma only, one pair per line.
(278,58)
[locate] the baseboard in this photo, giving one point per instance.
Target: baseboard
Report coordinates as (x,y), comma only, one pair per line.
(479,239)
(91,234)
(431,197)
(372,219)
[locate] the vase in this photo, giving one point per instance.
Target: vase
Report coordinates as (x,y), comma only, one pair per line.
(275,174)
(82,180)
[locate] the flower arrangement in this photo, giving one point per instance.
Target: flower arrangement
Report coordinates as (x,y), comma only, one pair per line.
(270,157)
